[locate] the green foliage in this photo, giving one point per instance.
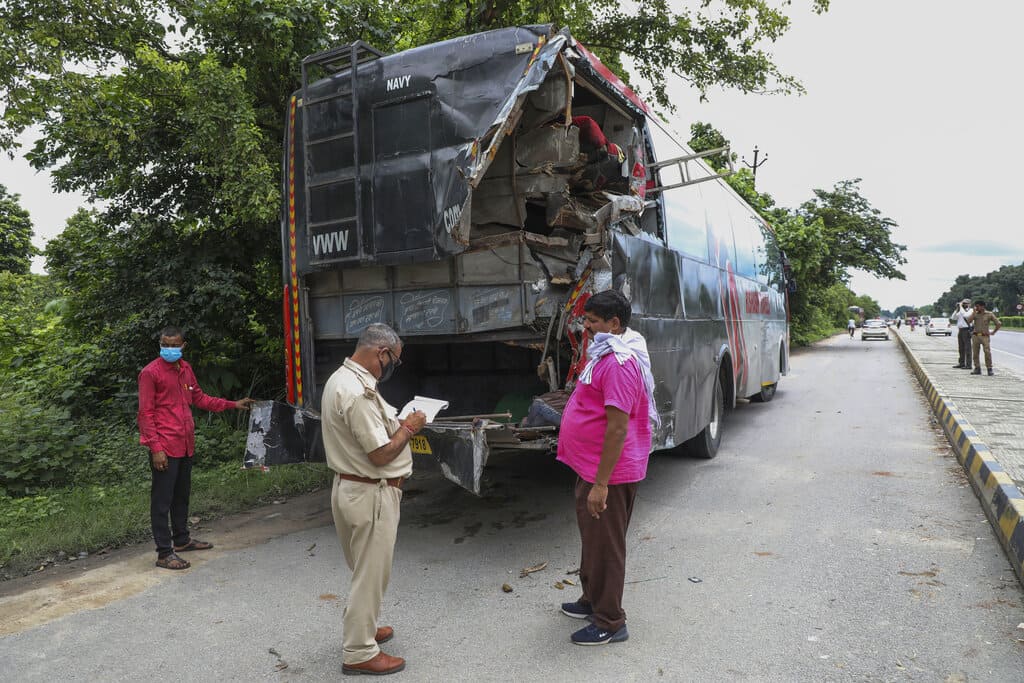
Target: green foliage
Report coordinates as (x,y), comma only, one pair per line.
(1002,289)
(1016,321)
(704,136)
(166,275)
(856,235)
(38,446)
(16,250)
(90,517)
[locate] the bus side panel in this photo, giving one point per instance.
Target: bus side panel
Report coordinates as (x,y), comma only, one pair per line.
(677,307)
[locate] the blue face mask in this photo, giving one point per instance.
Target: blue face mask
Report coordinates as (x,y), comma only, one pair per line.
(171,354)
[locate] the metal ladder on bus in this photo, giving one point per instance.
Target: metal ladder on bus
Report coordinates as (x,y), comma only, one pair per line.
(686,176)
(336,60)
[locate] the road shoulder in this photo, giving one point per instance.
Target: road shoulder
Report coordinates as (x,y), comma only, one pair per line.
(92,583)
(967,414)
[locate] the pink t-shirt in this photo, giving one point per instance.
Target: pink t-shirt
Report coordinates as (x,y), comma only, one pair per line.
(583,422)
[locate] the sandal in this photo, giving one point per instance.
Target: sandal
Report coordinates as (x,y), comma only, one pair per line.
(172,561)
(193,544)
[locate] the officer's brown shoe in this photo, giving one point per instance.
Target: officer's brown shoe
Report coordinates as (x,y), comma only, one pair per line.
(384,634)
(381,665)
(990,373)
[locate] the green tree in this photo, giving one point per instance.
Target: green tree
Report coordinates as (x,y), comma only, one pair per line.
(856,235)
(1002,288)
(170,114)
(16,250)
(704,136)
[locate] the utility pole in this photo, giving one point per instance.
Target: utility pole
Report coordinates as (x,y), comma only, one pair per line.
(756,163)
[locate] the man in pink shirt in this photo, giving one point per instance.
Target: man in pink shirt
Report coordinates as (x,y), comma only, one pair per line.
(167,391)
(605,438)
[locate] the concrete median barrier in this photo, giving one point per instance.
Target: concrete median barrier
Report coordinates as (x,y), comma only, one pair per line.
(1000,495)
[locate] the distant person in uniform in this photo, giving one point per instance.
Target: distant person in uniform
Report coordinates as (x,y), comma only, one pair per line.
(368,448)
(899,323)
(983,321)
(851,326)
(963,315)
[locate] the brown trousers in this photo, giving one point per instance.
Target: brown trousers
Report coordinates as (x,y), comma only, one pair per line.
(978,342)
(603,558)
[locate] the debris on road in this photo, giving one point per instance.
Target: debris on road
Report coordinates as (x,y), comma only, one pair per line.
(507,588)
(694,579)
(281,664)
(526,571)
(559,585)
(569,582)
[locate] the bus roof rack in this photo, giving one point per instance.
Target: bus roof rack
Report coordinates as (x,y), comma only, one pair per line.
(685,175)
(340,58)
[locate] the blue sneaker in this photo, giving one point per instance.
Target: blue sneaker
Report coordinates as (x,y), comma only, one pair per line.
(595,635)
(577,610)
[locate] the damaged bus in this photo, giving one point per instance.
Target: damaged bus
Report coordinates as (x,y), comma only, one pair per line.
(473,194)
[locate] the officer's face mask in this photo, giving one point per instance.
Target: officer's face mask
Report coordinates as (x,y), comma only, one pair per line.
(388,369)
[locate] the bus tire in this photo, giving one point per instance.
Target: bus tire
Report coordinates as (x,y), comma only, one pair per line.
(767,392)
(705,445)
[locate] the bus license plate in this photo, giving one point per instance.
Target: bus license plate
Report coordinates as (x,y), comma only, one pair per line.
(419,444)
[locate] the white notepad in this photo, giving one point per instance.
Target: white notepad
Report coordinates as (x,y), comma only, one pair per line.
(430,406)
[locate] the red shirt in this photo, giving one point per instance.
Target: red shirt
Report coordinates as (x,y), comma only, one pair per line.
(167,392)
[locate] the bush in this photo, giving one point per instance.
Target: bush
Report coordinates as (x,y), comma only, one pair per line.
(1013,321)
(38,446)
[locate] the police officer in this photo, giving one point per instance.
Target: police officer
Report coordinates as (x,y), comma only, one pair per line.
(983,320)
(368,448)
(963,316)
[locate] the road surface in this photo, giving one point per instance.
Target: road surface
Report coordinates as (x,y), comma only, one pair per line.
(834,538)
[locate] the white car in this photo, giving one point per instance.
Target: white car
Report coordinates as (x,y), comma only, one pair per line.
(937,326)
(874,329)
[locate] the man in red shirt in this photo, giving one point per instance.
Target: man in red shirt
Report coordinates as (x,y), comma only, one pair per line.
(167,391)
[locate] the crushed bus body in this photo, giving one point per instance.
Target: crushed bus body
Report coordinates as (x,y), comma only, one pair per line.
(473,194)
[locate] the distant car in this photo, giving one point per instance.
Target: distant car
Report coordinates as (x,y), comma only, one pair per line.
(937,326)
(874,329)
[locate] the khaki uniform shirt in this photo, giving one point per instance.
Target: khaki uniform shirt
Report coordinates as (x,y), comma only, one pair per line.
(983,320)
(355,419)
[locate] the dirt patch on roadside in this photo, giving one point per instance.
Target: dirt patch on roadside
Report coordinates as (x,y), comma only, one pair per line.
(93,583)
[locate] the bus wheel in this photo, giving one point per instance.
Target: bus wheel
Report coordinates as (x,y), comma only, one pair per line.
(766,394)
(705,445)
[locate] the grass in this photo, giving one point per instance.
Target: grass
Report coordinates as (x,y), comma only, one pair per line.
(92,518)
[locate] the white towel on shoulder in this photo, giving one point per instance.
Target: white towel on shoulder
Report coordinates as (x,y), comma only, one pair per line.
(629,344)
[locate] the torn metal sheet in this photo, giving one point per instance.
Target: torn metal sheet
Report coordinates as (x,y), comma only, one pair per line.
(281,434)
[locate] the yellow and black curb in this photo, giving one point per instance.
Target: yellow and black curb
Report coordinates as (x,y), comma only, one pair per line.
(1000,497)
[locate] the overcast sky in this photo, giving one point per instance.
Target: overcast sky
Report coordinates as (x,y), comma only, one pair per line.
(920,98)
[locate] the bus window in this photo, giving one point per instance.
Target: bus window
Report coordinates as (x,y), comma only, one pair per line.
(685,222)
(747,232)
(769,258)
(687,229)
(719,224)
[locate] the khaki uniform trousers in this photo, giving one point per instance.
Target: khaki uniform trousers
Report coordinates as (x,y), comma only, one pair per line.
(977,342)
(366,519)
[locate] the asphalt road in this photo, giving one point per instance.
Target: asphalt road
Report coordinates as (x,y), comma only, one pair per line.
(834,538)
(1007,350)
